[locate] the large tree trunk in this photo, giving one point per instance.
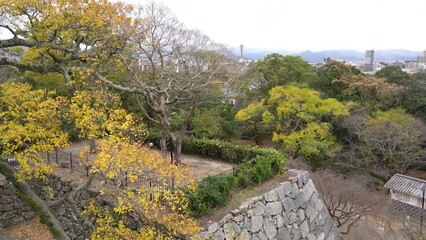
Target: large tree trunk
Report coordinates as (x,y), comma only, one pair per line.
(92,145)
(24,188)
(179,140)
(163,144)
(178,150)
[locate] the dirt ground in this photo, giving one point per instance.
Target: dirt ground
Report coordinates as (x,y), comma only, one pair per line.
(28,230)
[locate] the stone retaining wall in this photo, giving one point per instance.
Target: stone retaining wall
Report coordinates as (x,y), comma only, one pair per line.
(77,228)
(291,211)
(53,188)
(12,209)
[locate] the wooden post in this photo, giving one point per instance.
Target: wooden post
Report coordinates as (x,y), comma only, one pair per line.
(71,160)
(151,197)
(421,219)
(87,171)
(126,179)
(233,171)
(173,183)
(56,153)
(48,157)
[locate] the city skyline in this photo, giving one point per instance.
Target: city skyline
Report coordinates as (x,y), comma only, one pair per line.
(307,24)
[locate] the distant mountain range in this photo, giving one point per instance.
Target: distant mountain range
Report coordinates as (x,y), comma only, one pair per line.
(347,55)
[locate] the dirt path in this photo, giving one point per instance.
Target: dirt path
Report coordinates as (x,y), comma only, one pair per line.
(201,167)
(28,230)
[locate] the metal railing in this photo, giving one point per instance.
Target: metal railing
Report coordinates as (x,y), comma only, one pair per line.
(77,164)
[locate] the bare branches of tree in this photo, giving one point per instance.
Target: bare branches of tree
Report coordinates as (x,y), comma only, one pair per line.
(347,202)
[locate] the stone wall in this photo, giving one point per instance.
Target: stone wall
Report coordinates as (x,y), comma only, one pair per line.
(291,211)
(12,209)
(53,188)
(76,227)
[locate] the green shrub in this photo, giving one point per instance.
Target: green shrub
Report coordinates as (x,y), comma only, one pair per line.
(374,184)
(225,151)
(211,192)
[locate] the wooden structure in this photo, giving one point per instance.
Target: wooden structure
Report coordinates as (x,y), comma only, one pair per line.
(407,194)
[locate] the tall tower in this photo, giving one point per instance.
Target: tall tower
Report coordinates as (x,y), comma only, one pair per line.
(369,60)
(424,56)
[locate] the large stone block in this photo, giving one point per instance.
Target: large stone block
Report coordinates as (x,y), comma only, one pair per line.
(288,204)
(244,235)
(231,229)
(259,208)
(256,223)
(271,196)
(273,208)
(294,190)
(304,229)
(3,180)
(270,228)
(6,207)
(283,234)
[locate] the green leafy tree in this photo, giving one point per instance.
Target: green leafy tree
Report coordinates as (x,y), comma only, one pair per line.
(277,70)
(302,120)
(393,74)
(214,122)
(327,76)
(414,97)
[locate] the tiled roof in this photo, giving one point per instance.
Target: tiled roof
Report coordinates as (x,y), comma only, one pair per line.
(406,184)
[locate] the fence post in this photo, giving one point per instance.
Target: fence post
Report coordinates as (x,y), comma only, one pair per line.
(71,160)
(173,183)
(151,197)
(48,157)
(87,171)
(233,171)
(126,179)
(56,153)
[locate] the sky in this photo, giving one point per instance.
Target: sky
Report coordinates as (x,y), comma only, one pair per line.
(306,24)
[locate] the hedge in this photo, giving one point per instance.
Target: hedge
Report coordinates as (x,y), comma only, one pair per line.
(218,149)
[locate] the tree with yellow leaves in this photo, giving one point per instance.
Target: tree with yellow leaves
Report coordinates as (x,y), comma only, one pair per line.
(300,115)
(98,114)
(161,208)
(29,125)
(73,38)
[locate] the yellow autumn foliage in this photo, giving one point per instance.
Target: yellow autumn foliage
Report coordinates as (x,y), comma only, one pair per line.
(99,114)
(30,125)
(163,204)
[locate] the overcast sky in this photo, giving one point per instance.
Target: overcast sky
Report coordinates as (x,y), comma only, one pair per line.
(307,24)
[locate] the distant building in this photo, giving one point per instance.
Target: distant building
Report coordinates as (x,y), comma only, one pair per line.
(327,59)
(398,64)
(422,59)
(369,60)
(406,193)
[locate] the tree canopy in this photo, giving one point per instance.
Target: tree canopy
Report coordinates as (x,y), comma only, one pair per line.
(393,74)
(301,117)
(30,123)
(278,70)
